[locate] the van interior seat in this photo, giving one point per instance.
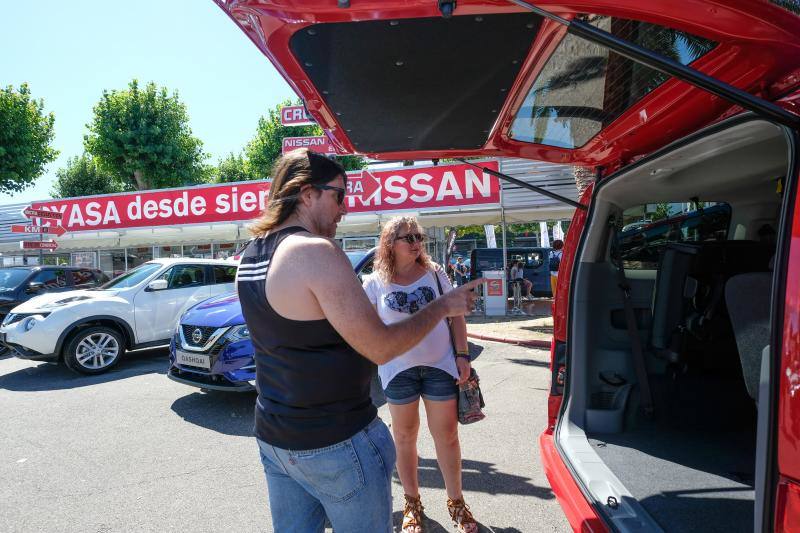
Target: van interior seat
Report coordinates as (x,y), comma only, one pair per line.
(747,297)
(689,288)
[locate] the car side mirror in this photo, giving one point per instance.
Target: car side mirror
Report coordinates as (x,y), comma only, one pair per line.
(157,285)
(35,286)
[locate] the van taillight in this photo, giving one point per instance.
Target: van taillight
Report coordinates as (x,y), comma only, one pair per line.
(787,508)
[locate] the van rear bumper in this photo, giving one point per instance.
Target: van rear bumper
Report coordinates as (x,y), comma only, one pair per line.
(579,512)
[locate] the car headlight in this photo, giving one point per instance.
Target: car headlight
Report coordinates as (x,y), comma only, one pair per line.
(238,333)
(29,323)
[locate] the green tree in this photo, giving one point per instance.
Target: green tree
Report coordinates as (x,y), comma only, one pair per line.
(81,177)
(662,211)
(266,146)
(26,132)
(143,139)
(233,168)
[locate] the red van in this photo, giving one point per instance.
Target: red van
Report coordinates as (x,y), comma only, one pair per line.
(675,396)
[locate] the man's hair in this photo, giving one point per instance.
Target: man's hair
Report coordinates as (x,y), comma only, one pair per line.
(290,173)
(384,255)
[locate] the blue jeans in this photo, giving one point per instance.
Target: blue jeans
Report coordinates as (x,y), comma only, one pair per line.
(426,381)
(349,481)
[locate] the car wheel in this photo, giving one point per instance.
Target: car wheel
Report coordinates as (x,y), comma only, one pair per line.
(94,350)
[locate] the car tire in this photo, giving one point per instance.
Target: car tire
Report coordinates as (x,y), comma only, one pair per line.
(94,350)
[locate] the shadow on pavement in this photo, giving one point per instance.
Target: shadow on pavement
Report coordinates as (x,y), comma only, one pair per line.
(49,376)
(530,362)
(429,525)
(478,476)
(230,413)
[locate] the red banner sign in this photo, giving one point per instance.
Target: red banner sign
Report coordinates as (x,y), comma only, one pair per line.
(319,143)
(38,245)
(368,191)
(295,115)
(50,230)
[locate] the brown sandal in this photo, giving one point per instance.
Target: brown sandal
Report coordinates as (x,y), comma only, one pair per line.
(461,515)
(413,513)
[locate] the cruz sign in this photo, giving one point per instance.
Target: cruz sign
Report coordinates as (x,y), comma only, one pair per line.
(295,115)
(373,191)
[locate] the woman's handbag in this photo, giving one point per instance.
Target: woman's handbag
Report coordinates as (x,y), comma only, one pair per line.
(470,400)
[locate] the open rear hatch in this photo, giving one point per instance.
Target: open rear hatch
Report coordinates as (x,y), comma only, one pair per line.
(394,79)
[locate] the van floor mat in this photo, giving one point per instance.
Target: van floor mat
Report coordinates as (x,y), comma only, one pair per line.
(686,480)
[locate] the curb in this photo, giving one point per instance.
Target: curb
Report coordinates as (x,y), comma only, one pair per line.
(532,343)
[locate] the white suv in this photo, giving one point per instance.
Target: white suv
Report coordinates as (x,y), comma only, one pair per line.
(91,329)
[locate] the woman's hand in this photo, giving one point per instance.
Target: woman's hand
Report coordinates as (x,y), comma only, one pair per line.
(464,367)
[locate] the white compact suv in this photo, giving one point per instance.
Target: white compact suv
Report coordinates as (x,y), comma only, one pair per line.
(89,330)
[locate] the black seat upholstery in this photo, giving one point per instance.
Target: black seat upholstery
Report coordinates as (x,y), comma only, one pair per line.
(747,297)
(690,285)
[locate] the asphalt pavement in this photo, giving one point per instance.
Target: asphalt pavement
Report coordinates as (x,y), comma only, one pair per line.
(131,450)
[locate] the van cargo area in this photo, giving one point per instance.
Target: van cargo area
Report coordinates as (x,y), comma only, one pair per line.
(699,276)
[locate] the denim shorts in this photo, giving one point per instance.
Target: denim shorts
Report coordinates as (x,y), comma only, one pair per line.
(426,381)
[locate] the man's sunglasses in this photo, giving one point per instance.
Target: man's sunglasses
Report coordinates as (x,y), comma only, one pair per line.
(411,238)
(340,192)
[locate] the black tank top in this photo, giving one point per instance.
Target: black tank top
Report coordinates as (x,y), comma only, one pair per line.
(313,388)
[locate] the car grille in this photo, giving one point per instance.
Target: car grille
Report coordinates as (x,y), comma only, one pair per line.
(188,334)
(16,317)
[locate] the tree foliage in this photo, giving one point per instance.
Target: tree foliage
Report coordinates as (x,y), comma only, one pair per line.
(26,132)
(267,145)
(142,138)
(235,167)
(81,177)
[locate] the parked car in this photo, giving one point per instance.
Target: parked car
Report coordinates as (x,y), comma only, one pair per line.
(90,330)
(211,346)
(675,368)
(536,265)
(21,283)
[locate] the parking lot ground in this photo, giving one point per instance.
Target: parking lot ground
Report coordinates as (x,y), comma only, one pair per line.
(133,451)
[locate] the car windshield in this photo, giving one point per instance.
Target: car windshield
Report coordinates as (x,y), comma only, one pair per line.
(357,256)
(133,277)
(10,278)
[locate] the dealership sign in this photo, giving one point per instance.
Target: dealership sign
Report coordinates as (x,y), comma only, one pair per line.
(318,143)
(30,228)
(375,191)
(295,115)
(38,245)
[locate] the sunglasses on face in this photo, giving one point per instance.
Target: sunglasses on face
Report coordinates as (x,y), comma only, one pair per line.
(411,238)
(340,192)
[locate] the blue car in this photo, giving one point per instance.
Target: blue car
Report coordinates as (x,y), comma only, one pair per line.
(211,347)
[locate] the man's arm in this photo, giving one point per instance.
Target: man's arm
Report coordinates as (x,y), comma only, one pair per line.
(350,312)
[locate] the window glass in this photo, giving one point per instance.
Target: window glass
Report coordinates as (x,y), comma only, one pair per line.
(359,244)
(10,278)
(52,279)
(112,262)
(139,256)
(224,250)
(584,87)
(647,229)
(84,259)
(56,259)
(133,277)
(789,5)
(533,260)
(170,251)
(83,278)
(224,274)
(181,276)
(200,251)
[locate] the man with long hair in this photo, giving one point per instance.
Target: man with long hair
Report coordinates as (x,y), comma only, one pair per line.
(316,335)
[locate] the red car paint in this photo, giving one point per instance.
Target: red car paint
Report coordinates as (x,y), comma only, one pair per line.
(758,51)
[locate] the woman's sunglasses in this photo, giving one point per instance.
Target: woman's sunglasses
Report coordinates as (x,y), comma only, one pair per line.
(340,192)
(411,238)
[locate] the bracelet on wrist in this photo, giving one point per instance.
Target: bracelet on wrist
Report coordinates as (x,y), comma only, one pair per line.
(465,355)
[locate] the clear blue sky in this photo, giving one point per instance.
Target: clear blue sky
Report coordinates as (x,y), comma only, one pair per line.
(69,51)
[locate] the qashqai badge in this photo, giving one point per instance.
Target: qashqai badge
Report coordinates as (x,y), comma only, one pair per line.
(197,336)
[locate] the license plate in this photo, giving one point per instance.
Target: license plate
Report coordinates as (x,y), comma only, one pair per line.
(193,359)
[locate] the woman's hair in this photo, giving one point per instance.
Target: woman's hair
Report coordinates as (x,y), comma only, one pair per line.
(289,174)
(384,255)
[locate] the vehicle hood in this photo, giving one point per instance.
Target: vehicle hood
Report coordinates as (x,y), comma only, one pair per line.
(218,312)
(55,300)
(397,80)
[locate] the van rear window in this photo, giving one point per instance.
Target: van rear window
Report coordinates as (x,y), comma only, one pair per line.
(584,87)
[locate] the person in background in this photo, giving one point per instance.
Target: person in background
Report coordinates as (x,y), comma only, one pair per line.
(404,283)
(555,263)
(459,271)
(323,448)
(518,274)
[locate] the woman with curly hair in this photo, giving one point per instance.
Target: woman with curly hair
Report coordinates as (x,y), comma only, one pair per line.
(404,281)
